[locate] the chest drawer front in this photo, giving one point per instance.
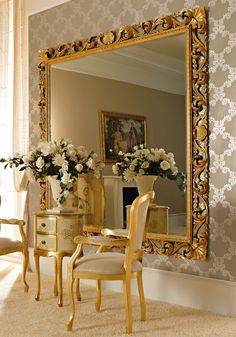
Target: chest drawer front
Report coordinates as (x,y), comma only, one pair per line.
(46,225)
(68,228)
(46,242)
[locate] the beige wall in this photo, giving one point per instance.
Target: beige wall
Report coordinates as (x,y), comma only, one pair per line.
(77,99)
(82,18)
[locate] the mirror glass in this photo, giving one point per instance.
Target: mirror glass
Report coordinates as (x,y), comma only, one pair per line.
(144,79)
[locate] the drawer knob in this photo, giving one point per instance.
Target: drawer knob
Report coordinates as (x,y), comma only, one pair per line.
(43,224)
(43,242)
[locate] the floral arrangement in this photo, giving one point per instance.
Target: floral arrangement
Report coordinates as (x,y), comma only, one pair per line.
(143,161)
(62,159)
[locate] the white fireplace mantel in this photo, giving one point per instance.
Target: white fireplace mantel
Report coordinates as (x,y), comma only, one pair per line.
(114,200)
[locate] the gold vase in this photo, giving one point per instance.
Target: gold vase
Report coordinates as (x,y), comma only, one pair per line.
(145,183)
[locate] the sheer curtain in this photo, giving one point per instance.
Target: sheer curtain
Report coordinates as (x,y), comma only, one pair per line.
(14,119)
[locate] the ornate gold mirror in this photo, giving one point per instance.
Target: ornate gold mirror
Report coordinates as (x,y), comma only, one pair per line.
(155,70)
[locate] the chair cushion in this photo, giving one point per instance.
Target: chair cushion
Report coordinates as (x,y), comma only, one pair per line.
(6,243)
(104,263)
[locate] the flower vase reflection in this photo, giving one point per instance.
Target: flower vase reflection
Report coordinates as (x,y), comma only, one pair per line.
(143,162)
(145,183)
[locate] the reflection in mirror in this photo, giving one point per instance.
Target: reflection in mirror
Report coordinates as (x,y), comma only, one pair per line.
(132,90)
(146,79)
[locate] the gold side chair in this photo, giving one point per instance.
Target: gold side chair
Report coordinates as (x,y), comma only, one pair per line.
(112,265)
(8,246)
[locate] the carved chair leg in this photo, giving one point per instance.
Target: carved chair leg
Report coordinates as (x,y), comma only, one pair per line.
(77,287)
(25,267)
(128,305)
(70,283)
(99,296)
(141,297)
(60,291)
(55,288)
(37,270)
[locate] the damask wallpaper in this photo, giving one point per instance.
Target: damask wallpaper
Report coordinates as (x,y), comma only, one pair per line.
(82,18)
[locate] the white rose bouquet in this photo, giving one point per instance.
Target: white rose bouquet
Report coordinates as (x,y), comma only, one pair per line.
(143,161)
(62,159)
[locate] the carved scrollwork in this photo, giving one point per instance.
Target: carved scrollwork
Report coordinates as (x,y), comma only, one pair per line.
(107,38)
(193,22)
(168,248)
(43,198)
(195,18)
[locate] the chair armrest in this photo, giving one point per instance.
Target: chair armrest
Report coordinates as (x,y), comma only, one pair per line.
(18,222)
(101,241)
(77,253)
(115,232)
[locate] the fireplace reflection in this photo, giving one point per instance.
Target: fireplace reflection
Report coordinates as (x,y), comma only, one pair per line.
(129,194)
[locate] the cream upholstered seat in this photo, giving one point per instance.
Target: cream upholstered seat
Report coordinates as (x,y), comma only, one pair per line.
(6,243)
(105,263)
(113,265)
(8,246)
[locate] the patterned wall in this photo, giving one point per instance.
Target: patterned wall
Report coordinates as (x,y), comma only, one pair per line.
(82,18)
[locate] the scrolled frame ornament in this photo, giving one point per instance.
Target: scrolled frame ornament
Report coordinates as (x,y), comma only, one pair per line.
(193,23)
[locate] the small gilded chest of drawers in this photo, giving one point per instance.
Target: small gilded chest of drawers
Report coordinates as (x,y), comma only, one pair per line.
(56,232)
(54,235)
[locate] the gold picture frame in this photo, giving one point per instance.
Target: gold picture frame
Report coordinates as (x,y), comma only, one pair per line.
(120,132)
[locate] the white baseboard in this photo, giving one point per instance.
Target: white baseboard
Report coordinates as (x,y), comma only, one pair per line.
(197,292)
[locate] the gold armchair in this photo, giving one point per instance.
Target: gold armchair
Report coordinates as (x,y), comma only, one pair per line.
(113,265)
(8,246)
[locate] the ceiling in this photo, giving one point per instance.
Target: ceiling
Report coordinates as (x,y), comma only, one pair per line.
(142,64)
(158,64)
(36,6)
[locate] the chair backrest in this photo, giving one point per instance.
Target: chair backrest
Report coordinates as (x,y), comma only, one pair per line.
(20,224)
(138,219)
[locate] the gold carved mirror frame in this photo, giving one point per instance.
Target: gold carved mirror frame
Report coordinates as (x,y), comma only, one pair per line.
(193,23)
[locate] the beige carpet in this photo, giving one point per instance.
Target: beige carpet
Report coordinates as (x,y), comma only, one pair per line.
(22,316)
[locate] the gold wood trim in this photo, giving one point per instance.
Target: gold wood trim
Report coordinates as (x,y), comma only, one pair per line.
(192,22)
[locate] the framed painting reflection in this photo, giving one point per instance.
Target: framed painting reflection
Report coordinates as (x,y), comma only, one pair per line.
(120,132)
